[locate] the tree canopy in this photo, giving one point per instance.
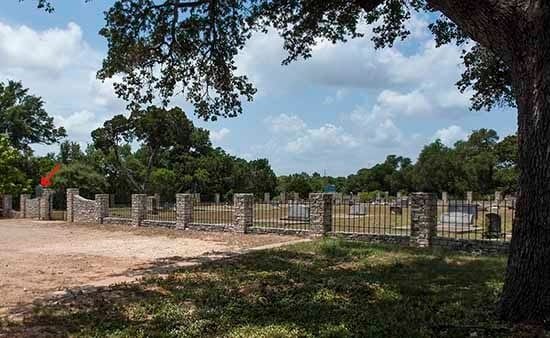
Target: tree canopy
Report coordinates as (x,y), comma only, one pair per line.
(23,118)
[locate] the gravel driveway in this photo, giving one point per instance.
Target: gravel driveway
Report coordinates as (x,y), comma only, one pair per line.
(41,259)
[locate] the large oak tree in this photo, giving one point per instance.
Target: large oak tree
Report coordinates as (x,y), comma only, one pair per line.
(167,47)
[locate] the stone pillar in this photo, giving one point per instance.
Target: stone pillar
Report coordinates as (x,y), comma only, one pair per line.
(498,196)
(112,200)
(101,207)
(423,219)
(469,196)
(46,205)
(444,196)
(320,212)
(71,193)
(217,198)
(7,205)
(267,197)
(23,205)
(243,212)
(184,210)
(139,208)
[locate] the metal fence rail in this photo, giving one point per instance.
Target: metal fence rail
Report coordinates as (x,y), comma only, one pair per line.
(375,217)
(212,213)
(161,212)
(461,219)
(290,215)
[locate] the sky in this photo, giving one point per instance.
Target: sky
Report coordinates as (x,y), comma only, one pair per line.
(346,108)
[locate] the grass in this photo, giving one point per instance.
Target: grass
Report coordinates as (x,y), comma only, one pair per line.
(325,288)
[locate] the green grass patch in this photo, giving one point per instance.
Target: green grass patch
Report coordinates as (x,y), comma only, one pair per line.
(325,288)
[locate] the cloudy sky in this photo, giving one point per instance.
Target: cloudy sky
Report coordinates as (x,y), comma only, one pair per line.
(346,108)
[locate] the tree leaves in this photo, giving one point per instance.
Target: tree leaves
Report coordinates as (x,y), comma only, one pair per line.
(23,118)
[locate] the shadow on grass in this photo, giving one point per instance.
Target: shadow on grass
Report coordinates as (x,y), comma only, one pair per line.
(326,288)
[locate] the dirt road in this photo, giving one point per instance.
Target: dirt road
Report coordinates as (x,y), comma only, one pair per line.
(43,259)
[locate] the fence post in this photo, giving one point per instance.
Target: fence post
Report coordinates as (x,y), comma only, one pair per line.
(243,212)
(423,219)
(139,208)
(320,212)
(7,205)
(46,205)
(184,210)
(101,207)
(71,193)
(23,205)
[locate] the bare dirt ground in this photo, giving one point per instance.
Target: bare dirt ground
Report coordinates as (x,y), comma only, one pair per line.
(43,259)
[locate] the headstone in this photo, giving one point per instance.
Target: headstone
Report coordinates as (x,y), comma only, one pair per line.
(386,195)
(283,197)
(460,217)
(398,195)
(444,196)
(378,196)
(469,196)
(296,196)
(359,209)
(298,212)
(267,198)
(498,196)
(217,198)
(494,225)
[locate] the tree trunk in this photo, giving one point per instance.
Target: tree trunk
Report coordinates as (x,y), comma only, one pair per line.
(526,293)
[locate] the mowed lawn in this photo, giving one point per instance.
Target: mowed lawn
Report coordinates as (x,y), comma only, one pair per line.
(324,288)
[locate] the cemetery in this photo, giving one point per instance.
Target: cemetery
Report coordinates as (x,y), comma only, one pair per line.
(274,169)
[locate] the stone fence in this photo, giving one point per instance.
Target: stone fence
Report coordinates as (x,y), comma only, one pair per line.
(423,232)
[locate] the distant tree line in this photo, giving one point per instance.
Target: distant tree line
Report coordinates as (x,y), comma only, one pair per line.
(481,164)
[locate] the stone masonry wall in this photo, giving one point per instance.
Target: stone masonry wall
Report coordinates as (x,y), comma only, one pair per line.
(321,212)
(243,212)
(32,208)
(84,210)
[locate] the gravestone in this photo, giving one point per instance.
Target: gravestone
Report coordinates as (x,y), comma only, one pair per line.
(494,225)
(359,209)
(298,212)
(460,217)
(267,197)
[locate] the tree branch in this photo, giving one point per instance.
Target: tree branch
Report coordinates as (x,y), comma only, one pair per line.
(368,5)
(491,23)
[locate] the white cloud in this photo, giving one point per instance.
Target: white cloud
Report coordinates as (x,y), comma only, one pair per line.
(49,51)
(450,135)
(58,65)
(79,124)
(284,123)
(327,138)
(219,135)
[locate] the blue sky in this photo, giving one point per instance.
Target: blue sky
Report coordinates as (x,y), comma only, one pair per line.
(346,108)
